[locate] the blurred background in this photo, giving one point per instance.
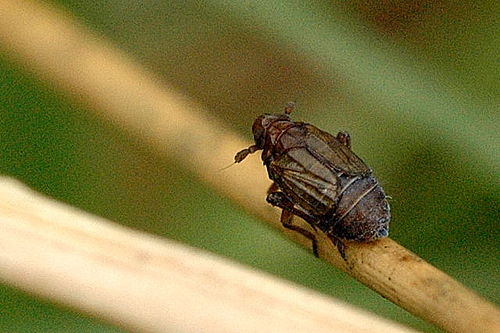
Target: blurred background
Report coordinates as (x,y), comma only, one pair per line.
(414,82)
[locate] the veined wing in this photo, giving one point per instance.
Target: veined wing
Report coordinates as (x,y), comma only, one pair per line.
(330,151)
(307,182)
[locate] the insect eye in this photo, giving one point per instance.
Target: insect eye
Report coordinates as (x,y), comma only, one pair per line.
(258,130)
(258,135)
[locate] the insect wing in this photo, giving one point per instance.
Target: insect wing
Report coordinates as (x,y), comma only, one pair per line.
(330,151)
(307,182)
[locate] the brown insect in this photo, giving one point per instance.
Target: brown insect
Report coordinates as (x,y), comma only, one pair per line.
(317,177)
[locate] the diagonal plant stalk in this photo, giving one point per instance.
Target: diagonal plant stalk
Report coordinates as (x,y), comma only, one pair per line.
(87,68)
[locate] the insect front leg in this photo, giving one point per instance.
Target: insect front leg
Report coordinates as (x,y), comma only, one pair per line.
(344,138)
(272,188)
(279,199)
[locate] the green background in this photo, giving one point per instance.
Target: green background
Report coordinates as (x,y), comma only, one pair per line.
(414,82)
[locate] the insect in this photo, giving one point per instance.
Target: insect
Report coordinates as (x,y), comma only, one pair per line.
(317,177)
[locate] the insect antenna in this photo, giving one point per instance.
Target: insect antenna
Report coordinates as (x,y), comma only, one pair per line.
(241,155)
(226,167)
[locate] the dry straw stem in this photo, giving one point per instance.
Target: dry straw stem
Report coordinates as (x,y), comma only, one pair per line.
(145,284)
(87,68)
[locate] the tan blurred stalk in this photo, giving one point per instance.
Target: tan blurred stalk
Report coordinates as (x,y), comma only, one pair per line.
(65,54)
(144,284)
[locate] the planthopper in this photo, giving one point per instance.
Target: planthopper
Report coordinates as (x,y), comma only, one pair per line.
(317,177)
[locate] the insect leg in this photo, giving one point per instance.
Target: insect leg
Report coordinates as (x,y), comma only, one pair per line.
(275,198)
(344,138)
(278,199)
(289,107)
(340,246)
(286,221)
(272,188)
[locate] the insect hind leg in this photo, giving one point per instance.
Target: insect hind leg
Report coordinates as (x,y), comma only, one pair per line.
(279,199)
(339,245)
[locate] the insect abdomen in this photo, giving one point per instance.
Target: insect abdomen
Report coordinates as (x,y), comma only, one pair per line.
(362,212)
